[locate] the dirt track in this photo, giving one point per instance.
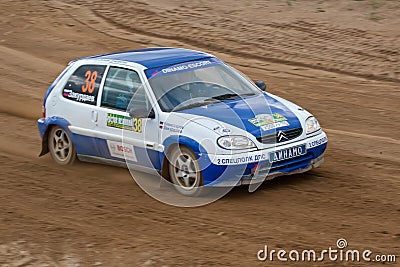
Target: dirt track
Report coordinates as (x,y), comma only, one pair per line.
(95,215)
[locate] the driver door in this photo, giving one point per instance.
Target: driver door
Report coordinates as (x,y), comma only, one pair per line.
(131,139)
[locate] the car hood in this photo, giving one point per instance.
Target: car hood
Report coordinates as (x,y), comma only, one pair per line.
(259,115)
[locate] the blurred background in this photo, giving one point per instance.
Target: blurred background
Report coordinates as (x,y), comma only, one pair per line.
(338,59)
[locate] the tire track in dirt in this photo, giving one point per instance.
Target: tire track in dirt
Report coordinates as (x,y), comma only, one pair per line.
(369,53)
(22,85)
(368,57)
(100,205)
(224,49)
(366,136)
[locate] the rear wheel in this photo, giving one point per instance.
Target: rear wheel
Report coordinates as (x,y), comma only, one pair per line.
(60,146)
(185,171)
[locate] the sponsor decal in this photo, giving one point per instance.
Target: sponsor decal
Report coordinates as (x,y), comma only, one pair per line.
(119,150)
(171,127)
(124,122)
(274,125)
(151,73)
(288,153)
(269,121)
(220,130)
(187,66)
(235,160)
(78,96)
(317,142)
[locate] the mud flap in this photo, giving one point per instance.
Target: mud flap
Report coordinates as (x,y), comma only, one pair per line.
(45,145)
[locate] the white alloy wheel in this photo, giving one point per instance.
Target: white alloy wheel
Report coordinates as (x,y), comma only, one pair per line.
(185,171)
(60,146)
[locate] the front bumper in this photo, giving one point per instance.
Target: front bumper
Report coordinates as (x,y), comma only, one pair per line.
(260,176)
(255,167)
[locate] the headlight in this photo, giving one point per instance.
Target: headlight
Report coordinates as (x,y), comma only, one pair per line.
(312,125)
(235,142)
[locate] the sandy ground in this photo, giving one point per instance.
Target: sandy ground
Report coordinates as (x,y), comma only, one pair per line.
(339,59)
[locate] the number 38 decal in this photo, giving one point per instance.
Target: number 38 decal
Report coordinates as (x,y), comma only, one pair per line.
(137,125)
(90,81)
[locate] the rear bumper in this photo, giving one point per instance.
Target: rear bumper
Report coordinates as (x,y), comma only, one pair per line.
(42,126)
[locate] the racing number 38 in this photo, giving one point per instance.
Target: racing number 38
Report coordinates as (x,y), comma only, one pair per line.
(90,81)
(137,125)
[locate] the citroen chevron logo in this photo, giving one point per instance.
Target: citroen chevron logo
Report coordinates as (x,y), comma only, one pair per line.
(281,136)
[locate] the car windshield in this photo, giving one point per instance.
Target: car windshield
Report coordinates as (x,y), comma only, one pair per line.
(198,83)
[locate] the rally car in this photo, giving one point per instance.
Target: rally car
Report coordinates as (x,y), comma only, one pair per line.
(181,113)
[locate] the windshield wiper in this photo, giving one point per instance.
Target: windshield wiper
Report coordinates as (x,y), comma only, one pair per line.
(195,105)
(225,96)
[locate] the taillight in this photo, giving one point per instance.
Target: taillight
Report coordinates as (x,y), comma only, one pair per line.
(43,112)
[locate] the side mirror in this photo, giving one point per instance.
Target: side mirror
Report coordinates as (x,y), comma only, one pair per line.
(261,85)
(141,113)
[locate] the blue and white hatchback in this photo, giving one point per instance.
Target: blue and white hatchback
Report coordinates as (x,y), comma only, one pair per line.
(180,113)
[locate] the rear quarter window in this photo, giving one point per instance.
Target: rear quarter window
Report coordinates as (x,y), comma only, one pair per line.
(83,85)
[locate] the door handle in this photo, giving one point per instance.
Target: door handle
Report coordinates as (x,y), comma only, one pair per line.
(94,116)
(149,144)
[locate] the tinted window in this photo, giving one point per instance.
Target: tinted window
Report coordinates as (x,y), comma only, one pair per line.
(119,87)
(83,85)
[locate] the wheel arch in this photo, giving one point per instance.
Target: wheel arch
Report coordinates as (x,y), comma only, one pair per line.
(172,142)
(45,127)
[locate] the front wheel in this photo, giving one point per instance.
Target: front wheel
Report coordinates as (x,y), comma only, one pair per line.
(60,146)
(185,171)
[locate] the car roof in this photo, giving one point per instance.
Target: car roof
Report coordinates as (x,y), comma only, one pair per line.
(154,57)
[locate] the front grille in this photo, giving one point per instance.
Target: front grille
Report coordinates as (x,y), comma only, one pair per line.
(277,136)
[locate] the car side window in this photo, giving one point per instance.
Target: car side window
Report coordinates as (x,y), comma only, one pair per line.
(119,88)
(83,85)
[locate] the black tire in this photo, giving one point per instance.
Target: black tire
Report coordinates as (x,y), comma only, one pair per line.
(184,171)
(61,148)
